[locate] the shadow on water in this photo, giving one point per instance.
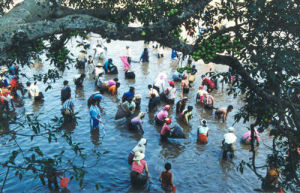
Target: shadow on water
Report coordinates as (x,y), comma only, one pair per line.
(79,92)
(171,148)
(37,105)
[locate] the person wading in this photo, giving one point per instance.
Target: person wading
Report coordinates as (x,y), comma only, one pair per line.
(138,167)
(166,178)
(202,132)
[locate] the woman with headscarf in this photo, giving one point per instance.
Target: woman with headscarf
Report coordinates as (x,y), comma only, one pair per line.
(141,146)
(138,167)
(200,94)
(180,105)
(162,115)
(165,130)
(187,114)
(202,132)
(137,123)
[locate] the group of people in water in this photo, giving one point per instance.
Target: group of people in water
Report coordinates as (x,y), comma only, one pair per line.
(130,106)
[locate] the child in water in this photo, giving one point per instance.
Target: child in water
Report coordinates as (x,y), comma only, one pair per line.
(166,178)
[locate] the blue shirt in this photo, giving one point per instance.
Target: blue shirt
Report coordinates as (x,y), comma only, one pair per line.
(107,64)
(128,95)
(13,70)
(174,54)
(95,114)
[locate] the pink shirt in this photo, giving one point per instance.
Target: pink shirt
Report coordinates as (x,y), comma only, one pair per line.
(111,83)
(247,136)
(210,99)
(162,115)
(138,168)
(164,129)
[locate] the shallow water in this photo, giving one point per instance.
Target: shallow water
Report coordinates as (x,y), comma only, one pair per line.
(197,168)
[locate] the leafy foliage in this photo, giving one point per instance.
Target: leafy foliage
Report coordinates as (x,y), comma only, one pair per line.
(258,39)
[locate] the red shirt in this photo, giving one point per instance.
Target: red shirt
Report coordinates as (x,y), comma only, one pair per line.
(207,81)
(164,129)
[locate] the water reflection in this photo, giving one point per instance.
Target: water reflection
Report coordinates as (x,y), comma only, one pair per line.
(37,105)
(145,67)
(227,165)
(95,136)
(79,92)
(171,149)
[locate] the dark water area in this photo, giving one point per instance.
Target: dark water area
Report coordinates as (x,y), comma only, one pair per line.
(196,168)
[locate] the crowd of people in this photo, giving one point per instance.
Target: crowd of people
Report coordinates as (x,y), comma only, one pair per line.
(159,93)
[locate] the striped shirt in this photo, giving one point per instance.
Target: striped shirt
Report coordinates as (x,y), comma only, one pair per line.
(68,104)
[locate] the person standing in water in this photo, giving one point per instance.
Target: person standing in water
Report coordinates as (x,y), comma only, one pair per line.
(185,84)
(170,93)
(180,105)
(187,114)
(98,97)
(79,81)
(202,132)
(141,146)
(200,94)
(222,113)
(162,115)
(65,91)
(166,178)
(128,95)
(128,54)
(165,130)
(137,123)
(208,101)
(246,138)
(34,91)
(145,55)
(138,167)
(228,143)
(68,109)
(95,115)
(81,59)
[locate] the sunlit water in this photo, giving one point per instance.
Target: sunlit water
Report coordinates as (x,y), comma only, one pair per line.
(197,168)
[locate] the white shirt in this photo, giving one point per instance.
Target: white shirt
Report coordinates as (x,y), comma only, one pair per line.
(203,130)
(160,84)
(230,138)
(201,92)
(99,50)
(171,92)
(160,50)
(99,81)
(128,52)
(98,70)
(81,56)
(34,90)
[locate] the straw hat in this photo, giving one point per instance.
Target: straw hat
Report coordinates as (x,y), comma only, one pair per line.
(138,156)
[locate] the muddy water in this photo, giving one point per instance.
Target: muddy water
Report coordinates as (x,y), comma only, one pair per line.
(197,168)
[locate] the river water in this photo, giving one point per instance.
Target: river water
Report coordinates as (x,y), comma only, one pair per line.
(197,168)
